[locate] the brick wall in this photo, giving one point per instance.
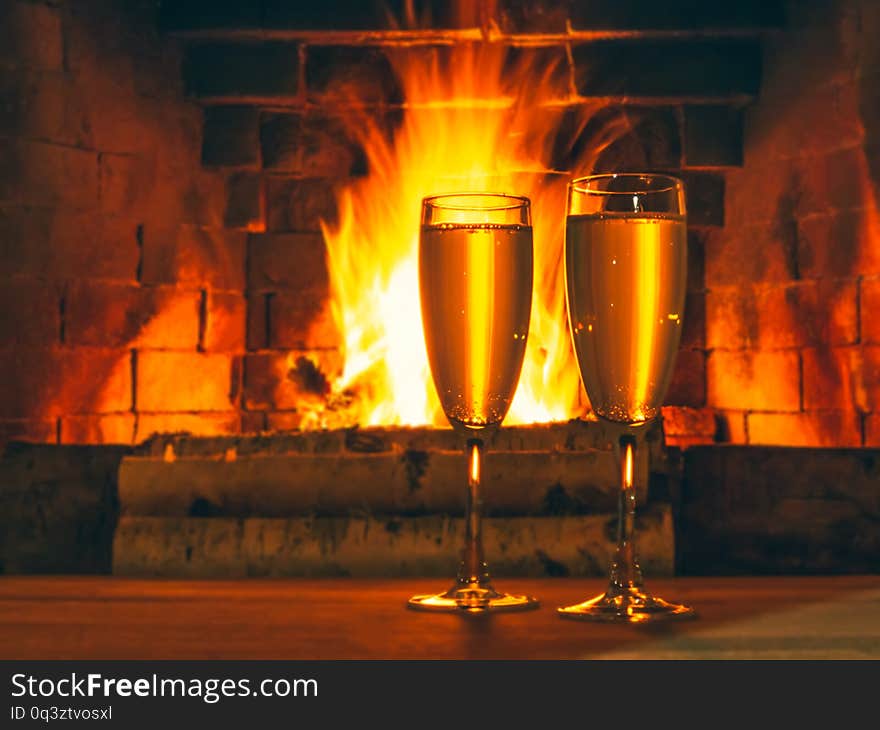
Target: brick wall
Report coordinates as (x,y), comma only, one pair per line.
(792,278)
(160,218)
(122,285)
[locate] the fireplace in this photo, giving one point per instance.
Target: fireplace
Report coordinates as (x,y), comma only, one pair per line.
(208,216)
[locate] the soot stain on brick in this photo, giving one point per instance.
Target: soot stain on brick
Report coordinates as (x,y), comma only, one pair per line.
(202,507)
(416,464)
(557,501)
(644,521)
(749,318)
(785,225)
(552,568)
(364,443)
(309,378)
(592,566)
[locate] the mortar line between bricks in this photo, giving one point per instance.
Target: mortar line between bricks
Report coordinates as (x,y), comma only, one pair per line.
(800,357)
(288,102)
(428,36)
(302,58)
(203,320)
(139,241)
(267,321)
(134,381)
(858,340)
(62,315)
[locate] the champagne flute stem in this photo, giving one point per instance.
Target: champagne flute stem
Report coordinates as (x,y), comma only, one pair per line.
(473,567)
(625,570)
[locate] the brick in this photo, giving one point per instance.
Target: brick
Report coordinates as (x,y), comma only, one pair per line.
(713,136)
(542,71)
(688,384)
(225,322)
(253,422)
(242,70)
(842,378)
(340,74)
(869,106)
(309,145)
(869,303)
(652,141)
(705,198)
(693,334)
(796,315)
(301,320)
(762,193)
(31,36)
(754,380)
(696,273)
(31,431)
(872,430)
(674,15)
(41,173)
(839,244)
(786,194)
(343,15)
(186,15)
(284,421)
(294,260)
(30,312)
(825,428)
(732,427)
(742,254)
(112,428)
(777,510)
(832,181)
(57,244)
(292,380)
(258,320)
(680,421)
(43,382)
(42,106)
(198,424)
(659,68)
(194,255)
(121,315)
(295,204)
(731,318)
(526,16)
(784,121)
(185,381)
(125,183)
(245,202)
(231,136)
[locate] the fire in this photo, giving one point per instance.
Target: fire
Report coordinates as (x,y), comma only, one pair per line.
(476,117)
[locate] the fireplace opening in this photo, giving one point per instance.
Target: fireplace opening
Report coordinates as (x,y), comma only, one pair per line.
(208,226)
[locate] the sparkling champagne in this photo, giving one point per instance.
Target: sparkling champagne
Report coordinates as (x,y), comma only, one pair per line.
(625,280)
(476,283)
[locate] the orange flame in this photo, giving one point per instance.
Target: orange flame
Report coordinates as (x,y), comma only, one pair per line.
(477,117)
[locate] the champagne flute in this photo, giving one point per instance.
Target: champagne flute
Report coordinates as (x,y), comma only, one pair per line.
(626,273)
(475,281)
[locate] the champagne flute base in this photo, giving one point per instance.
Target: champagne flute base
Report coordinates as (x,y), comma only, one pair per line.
(629,605)
(472,598)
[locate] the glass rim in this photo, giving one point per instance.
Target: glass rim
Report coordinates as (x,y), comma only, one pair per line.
(582,184)
(506,201)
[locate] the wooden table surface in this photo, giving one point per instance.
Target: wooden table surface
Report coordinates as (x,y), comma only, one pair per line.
(118,618)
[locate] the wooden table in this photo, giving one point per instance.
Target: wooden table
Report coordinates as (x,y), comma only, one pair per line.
(116,618)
